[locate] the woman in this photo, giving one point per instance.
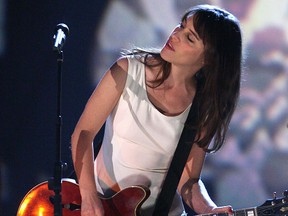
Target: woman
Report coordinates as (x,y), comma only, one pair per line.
(145,97)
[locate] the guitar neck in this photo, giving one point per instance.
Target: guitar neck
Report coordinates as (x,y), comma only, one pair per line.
(240,212)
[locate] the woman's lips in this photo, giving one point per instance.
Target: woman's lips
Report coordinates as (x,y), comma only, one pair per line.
(169,46)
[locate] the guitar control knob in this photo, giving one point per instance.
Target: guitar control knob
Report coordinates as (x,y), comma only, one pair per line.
(274,199)
(285,193)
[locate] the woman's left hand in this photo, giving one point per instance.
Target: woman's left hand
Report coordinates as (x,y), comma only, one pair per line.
(223,209)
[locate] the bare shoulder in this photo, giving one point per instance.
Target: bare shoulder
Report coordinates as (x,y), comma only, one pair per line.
(118,71)
(123,62)
(120,65)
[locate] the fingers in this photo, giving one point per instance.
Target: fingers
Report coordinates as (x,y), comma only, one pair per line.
(223,209)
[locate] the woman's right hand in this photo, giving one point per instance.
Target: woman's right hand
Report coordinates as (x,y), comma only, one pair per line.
(91,206)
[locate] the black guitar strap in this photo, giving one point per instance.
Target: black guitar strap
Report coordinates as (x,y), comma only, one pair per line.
(165,198)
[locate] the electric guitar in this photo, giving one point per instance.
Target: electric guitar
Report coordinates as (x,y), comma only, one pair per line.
(39,201)
(272,207)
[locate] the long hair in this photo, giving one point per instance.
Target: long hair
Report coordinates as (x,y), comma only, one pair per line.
(220,75)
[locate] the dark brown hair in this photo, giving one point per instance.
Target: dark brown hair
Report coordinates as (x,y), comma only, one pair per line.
(221,74)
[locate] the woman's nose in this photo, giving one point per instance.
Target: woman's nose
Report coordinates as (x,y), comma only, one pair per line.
(175,35)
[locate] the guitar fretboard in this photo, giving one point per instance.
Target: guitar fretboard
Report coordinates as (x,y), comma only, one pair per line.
(241,212)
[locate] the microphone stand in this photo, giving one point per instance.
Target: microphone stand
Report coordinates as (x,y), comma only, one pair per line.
(54,183)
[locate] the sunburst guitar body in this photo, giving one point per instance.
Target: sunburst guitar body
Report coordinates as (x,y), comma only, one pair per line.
(39,201)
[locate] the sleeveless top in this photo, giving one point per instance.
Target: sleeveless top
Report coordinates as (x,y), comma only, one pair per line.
(139,141)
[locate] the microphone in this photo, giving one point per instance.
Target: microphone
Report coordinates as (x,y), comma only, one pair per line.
(61,32)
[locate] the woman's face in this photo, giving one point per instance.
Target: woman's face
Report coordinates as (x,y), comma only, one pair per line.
(184,47)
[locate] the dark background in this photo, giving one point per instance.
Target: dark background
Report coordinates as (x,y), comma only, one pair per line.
(29,90)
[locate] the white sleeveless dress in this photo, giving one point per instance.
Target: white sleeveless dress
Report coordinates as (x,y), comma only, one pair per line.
(139,141)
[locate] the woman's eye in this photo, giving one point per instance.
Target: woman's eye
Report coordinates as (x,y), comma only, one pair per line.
(181,25)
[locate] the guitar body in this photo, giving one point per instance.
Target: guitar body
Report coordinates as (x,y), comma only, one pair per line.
(39,201)
(126,202)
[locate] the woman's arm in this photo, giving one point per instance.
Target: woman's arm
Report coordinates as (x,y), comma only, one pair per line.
(100,104)
(191,187)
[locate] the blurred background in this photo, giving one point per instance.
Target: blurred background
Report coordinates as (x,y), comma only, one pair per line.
(252,164)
